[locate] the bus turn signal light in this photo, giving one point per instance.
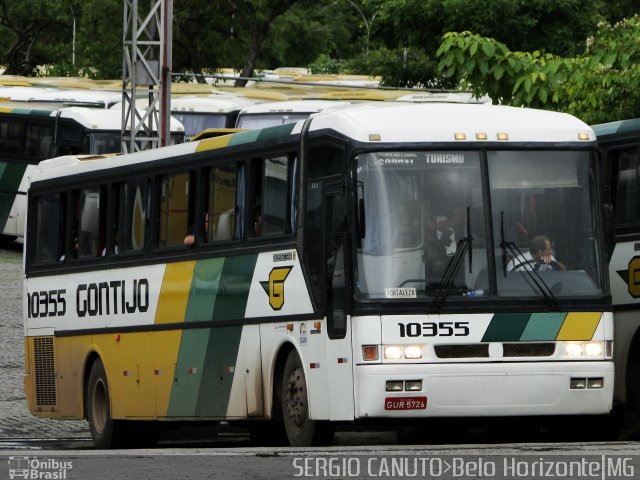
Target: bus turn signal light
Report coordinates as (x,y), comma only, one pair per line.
(370,353)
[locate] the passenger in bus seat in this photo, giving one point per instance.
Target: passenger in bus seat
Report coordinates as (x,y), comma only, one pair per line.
(538,258)
(190,239)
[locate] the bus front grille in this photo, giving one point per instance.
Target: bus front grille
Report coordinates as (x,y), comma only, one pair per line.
(476,350)
(481,350)
(545,349)
(45,372)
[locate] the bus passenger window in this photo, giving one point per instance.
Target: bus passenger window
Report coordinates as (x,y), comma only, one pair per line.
(11,137)
(176,208)
(49,228)
(89,222)
(271,196)
(38,141)
(626,164)
(131,213)
(221,203)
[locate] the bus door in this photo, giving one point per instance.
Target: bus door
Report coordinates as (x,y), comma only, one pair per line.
(336,255)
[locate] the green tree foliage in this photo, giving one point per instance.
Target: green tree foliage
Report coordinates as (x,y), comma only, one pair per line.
(33,32)
(558,26)
(601,85)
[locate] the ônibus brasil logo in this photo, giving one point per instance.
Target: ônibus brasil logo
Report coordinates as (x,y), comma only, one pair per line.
(26,467)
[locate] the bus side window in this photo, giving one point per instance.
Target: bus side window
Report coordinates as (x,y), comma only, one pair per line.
(38,141)
(626,170)
(272,195)
(221,203)
(176,208)
(131,216)
(49,228)
(89,222)
(11,137)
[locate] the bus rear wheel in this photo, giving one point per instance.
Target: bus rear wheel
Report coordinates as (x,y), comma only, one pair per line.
(103,428)
(301,430)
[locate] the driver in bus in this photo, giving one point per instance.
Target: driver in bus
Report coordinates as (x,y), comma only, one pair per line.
(538,258)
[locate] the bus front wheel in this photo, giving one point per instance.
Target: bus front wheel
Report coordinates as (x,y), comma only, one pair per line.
(301,430)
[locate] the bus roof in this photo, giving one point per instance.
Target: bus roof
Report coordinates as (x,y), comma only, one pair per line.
(209,104)
(90,118)
(620,127)
(440,122)
(93,98)
(382,122)
(444,97)
(291,106)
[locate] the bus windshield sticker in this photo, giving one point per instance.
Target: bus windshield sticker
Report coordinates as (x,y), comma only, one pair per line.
(400,292)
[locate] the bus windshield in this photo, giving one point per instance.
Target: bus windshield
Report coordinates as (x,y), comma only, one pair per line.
(197,122)
(425,227)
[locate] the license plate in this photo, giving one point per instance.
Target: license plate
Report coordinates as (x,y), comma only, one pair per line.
(405,403)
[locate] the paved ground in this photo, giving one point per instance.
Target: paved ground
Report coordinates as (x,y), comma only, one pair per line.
(15,420)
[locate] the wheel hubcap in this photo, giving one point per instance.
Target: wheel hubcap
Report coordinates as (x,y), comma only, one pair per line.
(296,397)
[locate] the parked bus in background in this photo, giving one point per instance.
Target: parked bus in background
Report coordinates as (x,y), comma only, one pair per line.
(29,135)
(356,266)
(619,144)
(58,97)
(262,115)
(199,113)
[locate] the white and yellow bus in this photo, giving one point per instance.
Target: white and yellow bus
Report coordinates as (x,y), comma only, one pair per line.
(351,267)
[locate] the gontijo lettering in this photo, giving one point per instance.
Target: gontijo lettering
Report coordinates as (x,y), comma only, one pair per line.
(106,297)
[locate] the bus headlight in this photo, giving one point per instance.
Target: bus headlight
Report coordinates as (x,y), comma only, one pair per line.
(392,352)
(412,352)
(398,352)
(584,349)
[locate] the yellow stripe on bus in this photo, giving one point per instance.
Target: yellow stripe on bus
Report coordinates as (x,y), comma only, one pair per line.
(579,326)
(213,143)
(174,294)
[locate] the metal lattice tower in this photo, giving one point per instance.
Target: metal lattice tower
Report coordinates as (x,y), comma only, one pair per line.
(146,74)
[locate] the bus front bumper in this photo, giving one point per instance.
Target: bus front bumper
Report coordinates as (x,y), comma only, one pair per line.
(477,389)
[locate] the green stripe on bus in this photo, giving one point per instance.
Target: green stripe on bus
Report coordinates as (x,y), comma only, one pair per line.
(233,290)
(218,371)
(35,113)
(243,137)
(543,327)
(276,132)
(188,373)
(204,287)
(506,327)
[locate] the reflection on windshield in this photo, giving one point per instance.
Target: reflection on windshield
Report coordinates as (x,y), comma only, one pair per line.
(197,122)
(105,142)
(421,208)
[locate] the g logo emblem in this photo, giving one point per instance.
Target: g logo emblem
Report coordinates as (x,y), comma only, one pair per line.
(634,277)
(275,286)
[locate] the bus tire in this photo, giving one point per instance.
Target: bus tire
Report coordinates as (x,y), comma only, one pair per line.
(103,428)
(301,430)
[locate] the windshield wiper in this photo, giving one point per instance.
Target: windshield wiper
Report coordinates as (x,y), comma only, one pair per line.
(531,274)
(465,245)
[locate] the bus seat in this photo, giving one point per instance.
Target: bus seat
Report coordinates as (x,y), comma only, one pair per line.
(224,230)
